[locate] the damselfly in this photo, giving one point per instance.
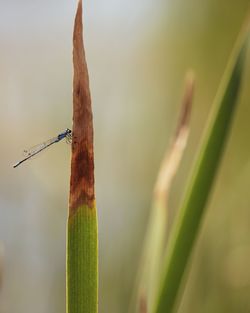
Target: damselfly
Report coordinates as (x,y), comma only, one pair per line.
(67,134)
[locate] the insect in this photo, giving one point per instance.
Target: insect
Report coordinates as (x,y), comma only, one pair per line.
(67,134)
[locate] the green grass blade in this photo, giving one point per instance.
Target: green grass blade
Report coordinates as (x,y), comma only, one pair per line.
(82,252)
(185,229)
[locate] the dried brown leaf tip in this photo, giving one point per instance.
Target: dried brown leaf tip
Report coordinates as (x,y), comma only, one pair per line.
(186,103)
(82,162)
(174,154)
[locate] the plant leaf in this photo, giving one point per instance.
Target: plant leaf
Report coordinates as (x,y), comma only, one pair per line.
(82,275)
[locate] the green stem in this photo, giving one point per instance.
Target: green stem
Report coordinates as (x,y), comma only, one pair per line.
(82,261)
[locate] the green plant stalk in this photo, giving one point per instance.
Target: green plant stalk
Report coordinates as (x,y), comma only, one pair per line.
(82,261)
(185,229)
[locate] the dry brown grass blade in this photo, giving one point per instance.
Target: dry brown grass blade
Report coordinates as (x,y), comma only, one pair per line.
(82,162)
(174,154)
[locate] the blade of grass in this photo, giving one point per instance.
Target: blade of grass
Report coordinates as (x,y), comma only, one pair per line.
(187,223)
(82,276)
(155,241)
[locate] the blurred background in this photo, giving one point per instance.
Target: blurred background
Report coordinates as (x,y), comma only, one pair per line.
(137,53)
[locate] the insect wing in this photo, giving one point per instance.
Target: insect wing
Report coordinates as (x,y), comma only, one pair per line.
(69,138)
(35,149)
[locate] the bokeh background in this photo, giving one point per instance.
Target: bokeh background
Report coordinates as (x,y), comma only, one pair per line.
(138,52)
